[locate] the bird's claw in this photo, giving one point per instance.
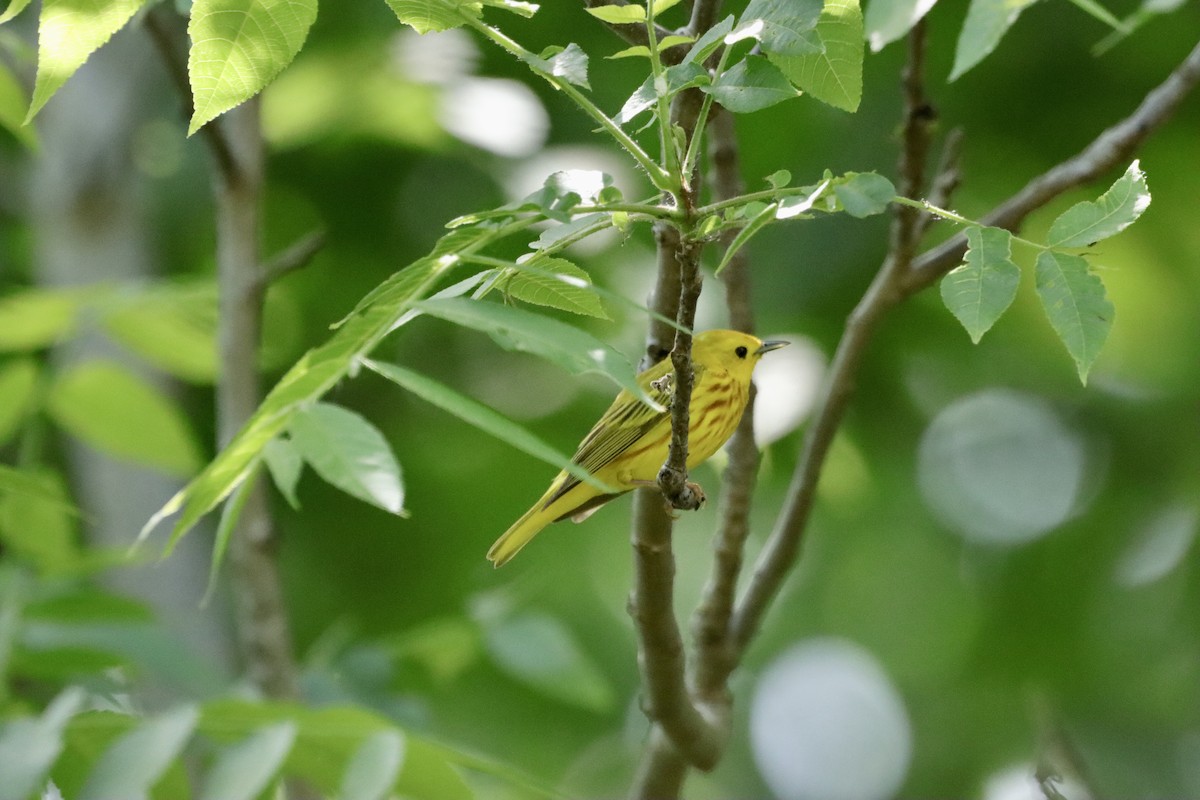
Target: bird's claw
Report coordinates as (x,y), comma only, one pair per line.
(692,490)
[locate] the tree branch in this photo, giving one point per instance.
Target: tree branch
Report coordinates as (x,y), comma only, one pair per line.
(710,623)
(884,293)
(635,32)
(681,733)
(236,144)
(1111,148)
(897,281)
(295,257)
(165,31)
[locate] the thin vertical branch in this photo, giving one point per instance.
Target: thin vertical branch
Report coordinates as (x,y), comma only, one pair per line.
(236,145)
(710,623)
(682,732)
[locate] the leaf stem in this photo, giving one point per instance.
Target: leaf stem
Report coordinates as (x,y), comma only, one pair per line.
(658,176)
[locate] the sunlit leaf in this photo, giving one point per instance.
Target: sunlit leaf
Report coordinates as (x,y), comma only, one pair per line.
(1086,223)
(118,413)
(238,47)
(173,327)
(18,392)
(979,290)
(1077,306)
(515,329)
(14,7)
(555,283)
(13,107)
(36,318)
(136,760)
(888,20)
(313,375)
(68,32)
(986,23)
(426,16)
(349,453)
(787,25)
(628,14)
(833,76)
(37,520)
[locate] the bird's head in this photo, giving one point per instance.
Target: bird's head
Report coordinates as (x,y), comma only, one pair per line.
(731,351)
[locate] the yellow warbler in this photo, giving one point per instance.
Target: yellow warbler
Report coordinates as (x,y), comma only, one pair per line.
(628,446)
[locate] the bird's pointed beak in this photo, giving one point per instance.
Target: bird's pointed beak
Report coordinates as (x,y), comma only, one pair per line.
(767,347)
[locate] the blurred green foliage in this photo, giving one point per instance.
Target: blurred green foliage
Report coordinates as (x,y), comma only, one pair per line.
(1086,636)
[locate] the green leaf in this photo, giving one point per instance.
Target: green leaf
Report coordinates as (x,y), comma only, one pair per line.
(743,236)
(679,77)
(285,465)
(374,767)
(833,76)
(629,14)
(517,7)
(132,765)
(569,63)
(349,453)
(18,393)
(118,413)
(14,7)
(425,16)
(36,318)
(316,373)
(244,770)
(984,286)
(986,23)
(787,25)
(1086,223)
(231,512)
(238,47)
(864,194)
(37,522)
(1076,304)
(108,407)
(29,747)
(707,44)
(541,652)
(482,417)
(779,179)
(752,84)
(662,6)
(515,329)
(172,326)
(13,108)
(888,20)
(68,32)
(555,283)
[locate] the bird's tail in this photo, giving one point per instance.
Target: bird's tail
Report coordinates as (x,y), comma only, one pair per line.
(524,529)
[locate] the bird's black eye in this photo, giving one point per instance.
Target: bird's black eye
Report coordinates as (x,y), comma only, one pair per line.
(741,352)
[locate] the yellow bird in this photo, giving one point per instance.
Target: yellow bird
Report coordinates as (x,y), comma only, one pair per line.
(628,446)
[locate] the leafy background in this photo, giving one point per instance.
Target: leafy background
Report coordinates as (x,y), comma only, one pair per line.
(1076,631)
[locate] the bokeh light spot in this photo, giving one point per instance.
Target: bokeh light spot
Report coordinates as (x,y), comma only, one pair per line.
(827,724)
(1001,467)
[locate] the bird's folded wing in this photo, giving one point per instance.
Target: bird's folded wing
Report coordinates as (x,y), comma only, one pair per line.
(626,421)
